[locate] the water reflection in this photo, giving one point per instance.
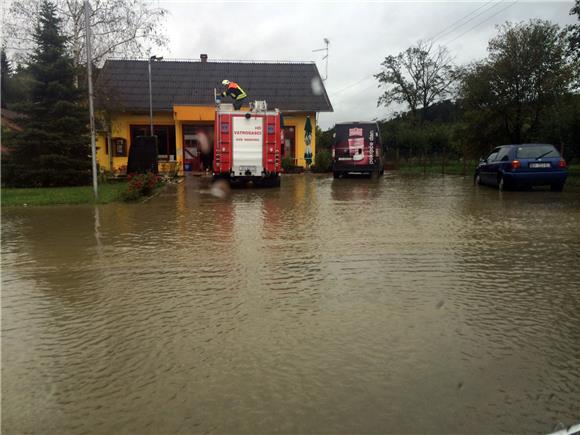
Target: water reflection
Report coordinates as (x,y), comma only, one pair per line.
(325,305)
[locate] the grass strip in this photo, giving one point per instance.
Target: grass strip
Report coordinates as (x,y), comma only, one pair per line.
(109,192)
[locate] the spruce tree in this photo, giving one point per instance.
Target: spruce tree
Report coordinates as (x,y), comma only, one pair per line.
(53,149)
(5,73)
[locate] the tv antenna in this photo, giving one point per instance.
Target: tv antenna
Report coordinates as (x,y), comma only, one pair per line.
(326,42)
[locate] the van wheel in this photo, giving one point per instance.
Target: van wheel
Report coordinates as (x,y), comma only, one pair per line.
(557,187)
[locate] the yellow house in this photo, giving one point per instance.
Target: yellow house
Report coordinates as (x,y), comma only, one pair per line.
(176,99)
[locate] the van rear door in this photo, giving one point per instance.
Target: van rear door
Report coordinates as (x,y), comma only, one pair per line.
(357,144)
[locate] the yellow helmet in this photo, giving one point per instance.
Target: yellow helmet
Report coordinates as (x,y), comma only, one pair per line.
(225,82)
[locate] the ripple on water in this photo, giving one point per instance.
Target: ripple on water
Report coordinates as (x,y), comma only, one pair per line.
(335,306)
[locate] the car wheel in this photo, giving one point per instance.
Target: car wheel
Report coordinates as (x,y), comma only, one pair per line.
(557,187)
(336,174)
(477,180)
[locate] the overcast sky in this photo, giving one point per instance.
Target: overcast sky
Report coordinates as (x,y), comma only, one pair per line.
(361,35)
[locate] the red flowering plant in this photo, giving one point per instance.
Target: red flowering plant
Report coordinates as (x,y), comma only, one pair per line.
(141,185)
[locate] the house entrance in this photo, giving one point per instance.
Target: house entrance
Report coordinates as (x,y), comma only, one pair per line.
(165,139)
(289,147)
(197,147)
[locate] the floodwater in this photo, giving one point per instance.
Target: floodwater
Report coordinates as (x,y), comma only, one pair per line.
(404,305)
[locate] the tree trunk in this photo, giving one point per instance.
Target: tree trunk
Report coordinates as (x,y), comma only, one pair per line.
(77,66)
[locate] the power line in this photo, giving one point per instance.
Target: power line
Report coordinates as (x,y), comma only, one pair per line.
(365,88)
(482,22)
(445,30)
(454,39)
(353,84)
(369,86)
(459,20)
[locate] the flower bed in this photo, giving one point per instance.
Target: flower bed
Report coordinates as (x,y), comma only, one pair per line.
(141,185)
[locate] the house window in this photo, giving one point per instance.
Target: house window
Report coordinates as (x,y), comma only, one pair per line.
(165,139)
(119,146)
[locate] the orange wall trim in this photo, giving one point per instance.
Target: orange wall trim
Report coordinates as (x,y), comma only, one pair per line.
(194,113)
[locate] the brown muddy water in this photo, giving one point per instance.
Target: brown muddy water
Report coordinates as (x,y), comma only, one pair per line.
(405,305)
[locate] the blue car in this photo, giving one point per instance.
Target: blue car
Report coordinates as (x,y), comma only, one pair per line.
(525,165)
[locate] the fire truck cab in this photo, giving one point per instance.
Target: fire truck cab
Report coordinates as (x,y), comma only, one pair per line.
(248,145)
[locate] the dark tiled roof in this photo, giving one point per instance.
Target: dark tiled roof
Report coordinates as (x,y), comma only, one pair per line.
(124,84)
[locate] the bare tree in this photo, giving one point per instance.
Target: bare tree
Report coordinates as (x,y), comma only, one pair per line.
(418,77)
(120,28)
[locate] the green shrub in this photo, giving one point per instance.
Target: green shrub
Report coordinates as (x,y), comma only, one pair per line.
(45,171)
(322,161)
(287,164)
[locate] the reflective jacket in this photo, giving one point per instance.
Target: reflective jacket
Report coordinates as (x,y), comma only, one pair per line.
(234,91)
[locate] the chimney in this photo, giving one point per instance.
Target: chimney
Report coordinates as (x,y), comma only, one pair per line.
(203,58)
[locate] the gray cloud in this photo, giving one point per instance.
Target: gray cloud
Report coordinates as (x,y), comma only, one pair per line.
(361,35)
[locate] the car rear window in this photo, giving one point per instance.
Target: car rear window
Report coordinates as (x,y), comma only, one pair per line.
(537,151)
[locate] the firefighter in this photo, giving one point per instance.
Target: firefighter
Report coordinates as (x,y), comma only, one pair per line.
(234,91)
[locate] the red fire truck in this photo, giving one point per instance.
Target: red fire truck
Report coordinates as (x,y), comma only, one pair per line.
(248,145)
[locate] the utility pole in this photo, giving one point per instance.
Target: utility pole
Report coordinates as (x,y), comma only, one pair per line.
(152,58)
(150,97)
(91,108)
(326,41)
